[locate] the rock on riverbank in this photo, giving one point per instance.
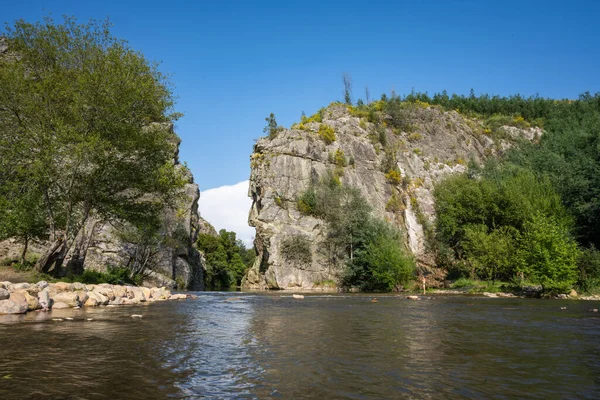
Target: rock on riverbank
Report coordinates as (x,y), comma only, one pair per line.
(18,298)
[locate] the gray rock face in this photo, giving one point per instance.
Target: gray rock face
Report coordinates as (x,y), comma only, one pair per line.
(4,294)
(439,144)
(3,45)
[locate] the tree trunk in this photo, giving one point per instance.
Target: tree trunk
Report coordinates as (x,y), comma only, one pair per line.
(51,256)
(24,253)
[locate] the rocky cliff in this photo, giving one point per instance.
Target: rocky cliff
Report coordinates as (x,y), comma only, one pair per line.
(431,144)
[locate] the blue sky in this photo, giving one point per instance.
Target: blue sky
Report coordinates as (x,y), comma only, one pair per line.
(234,62)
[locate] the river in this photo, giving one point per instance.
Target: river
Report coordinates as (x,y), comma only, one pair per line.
(269,345)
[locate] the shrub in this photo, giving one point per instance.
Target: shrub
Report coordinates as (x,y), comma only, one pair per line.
(589,270)
(340,158)
(381,264)
(393,176)
(414,137)
(296,249)
(307,201)
(327,133)
(394,204)
(113,276)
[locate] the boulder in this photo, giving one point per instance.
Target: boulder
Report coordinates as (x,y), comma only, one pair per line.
(146,292)
(42,284)
(78,286)
(32,301)
(104,291)
(96,299)
(7,285)
(128,301)
(83,296)
(4,294)
(413,297)
(573,293)
(33,290)
(60,305)
(119,291)
(487,294)
(21,286)
(180,296)
(11,307)
(63,286)
(69,298)
(44,299)
(91,302)
(117,301)
(15,304)
(136,293)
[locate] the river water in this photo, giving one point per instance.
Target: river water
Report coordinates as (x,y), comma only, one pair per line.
(322,347)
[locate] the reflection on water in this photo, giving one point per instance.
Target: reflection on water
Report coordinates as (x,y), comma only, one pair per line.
(272,346)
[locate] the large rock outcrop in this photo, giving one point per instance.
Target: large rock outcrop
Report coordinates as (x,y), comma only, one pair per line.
(439,143)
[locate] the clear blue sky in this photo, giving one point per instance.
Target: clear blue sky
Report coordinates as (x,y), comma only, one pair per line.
(234,62)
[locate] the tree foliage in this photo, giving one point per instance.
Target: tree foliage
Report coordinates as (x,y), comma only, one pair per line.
(503,221)
(227,259)
(369,251)
(82,132)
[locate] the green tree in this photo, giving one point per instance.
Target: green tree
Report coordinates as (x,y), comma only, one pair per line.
(227,259)
(85,124)
(547,254)
(347,88)
(272,129)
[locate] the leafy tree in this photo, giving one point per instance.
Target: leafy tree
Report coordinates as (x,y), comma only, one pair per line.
(18,216)
(83,125)
(381,264)
(272,129)
(490,253)
(227,259)
(547,254)
(347,88)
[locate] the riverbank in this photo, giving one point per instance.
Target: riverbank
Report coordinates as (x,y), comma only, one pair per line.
(19,298)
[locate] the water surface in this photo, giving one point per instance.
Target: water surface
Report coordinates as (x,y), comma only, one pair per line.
(321,347)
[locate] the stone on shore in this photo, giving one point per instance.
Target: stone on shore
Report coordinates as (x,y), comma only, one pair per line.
(63,286)
(42,285)
(83,296)
(21,297)
(44,300)
(413,297)
(15,304)
(69,298)
(32,301)
(21,286)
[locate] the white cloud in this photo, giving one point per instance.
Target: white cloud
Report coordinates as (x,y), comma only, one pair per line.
(227,207)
